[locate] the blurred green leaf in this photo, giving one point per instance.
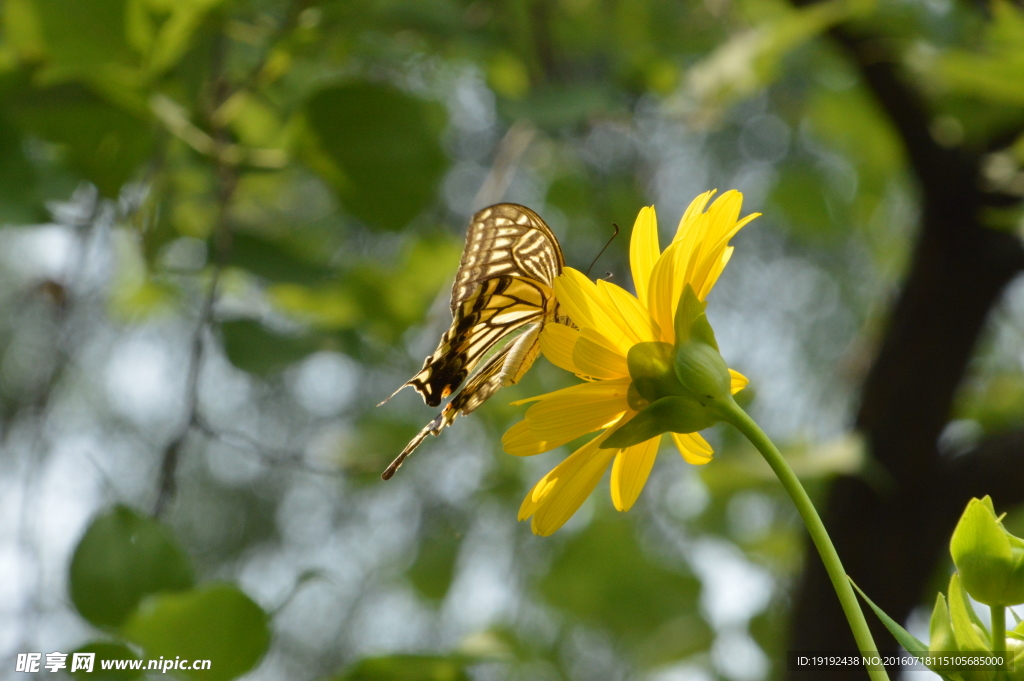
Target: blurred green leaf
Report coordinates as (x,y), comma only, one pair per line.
(102,142)
(555,108)
(168,43)
(121,558)
(802,195)
(997,404)
(331,306)
(995,72)
(17,181)
(751,59)
(274,260)
(106,650)
(254,348)
(408,668)
(215,622)
(379,148)
(603,578)
(434,568)
(79,36)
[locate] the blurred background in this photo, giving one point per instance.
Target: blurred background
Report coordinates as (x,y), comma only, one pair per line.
(229,230)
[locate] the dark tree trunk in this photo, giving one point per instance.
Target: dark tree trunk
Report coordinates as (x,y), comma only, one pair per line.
(892,536)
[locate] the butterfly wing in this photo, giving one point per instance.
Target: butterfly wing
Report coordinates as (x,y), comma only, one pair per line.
(504,282)
(506,239)
(503,369)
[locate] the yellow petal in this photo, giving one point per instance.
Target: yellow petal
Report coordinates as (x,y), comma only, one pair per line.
(580,299)
(596,356)
(536,495)
(712,251)
(695,208)
(567,414)
(660,294)
(643,249)
(738,381)
(557,342)
(519,440)
(573,481)
(630,470)
(722,215)
(693,447)
(632,317)
(714,273)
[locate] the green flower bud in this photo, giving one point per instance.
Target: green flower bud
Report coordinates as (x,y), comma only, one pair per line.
(989,559)
(958,628)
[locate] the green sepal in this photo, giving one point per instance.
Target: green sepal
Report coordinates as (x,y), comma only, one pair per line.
(691,324)
(651,368)
(940,629)
(989,559)
(702,371)
(968,630)
(668,414)
(634,399)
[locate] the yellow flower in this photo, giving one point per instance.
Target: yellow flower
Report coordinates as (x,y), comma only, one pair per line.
(611,321)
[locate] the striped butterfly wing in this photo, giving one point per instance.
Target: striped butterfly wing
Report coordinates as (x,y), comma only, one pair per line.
(504,368)
(504,283)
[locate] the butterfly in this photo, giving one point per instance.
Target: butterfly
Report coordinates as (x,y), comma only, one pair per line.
(504,285)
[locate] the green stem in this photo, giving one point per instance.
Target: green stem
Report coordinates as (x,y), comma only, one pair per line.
(999,633)
(733,414)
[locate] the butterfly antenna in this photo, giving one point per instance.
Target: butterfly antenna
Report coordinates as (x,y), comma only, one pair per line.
(609,243)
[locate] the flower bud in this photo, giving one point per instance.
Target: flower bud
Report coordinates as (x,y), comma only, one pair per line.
(989,559)
(957,628)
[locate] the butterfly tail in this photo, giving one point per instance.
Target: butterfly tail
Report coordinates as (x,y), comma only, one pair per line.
(440,422)
(400,389)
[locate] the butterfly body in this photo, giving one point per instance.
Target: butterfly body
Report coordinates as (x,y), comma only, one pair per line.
(504,285)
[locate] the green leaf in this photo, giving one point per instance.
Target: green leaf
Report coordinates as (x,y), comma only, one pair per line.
(994,73)
(172,40)
(751,59)
(909,642)
(216,622)
(80,36)
(18,204)
(604,579)
(434,568)
(380,149)
(254,348)
(408,668)
(105,650)
(275,260)
(101,142)
(121,558)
